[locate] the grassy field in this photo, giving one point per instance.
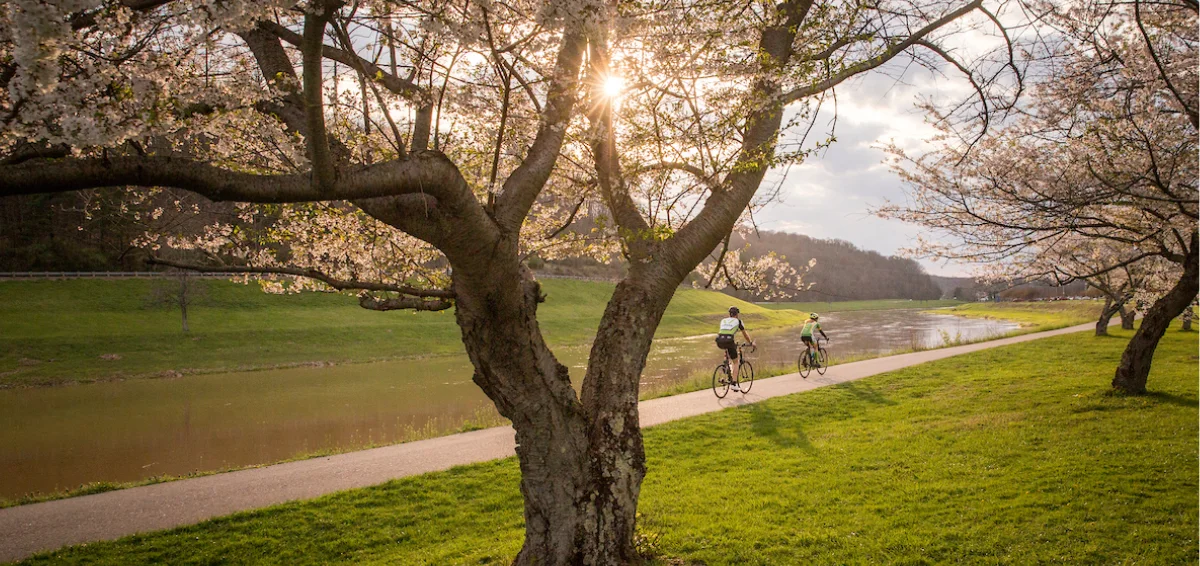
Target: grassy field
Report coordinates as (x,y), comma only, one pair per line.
(1014,455)
(1038,316)
(80,330)
(845,306)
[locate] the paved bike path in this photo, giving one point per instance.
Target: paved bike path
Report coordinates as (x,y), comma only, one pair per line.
(28,529)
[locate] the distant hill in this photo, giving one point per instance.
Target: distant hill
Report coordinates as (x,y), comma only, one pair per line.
(843,272)
(968,289)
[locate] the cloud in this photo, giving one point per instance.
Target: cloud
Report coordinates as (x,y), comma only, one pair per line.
(831,194)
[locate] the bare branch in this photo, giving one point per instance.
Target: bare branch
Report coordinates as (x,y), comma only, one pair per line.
(874,62)
(371,302)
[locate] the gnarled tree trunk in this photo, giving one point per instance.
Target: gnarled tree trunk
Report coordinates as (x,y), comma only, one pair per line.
(1135,362)
(582,463)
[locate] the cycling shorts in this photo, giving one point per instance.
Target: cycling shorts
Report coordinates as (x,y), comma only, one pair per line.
(729,344)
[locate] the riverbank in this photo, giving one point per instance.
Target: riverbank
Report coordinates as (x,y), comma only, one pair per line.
(77,331)
(1036,316)
(963,457)
(217,422)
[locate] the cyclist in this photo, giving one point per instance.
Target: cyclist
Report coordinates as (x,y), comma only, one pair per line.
(806,335)
(726,340)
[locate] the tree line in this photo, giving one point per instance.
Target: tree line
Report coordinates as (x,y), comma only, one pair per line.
(840,271)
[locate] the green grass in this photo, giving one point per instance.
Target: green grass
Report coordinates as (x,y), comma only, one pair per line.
(1037,316)
(81,330)
(1014,455)
(846,306)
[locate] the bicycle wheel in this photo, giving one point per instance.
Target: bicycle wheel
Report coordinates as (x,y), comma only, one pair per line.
(823,358)
(745,377)
(721,381)
(802,365)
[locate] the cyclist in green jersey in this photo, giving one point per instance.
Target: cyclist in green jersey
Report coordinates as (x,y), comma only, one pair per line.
(727,340)
(806,335)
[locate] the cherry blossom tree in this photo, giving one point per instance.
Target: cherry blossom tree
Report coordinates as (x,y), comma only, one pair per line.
(1097,176)
(416,152)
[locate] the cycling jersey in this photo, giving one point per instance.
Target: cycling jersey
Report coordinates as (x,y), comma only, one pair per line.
(810,327)
(730,326)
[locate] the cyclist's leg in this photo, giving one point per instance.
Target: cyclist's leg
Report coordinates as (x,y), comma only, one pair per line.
(735,366)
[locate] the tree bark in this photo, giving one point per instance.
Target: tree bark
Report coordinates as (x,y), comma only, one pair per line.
(1127,317)
(1134,369)
(1106,314)
(581,469)
(1188,316)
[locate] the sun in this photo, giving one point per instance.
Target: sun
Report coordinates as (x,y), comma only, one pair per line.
(613,86)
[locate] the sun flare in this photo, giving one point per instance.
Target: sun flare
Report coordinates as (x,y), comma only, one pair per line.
(613,86)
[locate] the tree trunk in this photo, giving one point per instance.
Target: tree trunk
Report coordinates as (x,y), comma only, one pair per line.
(1106,314)
(1135,362)
(580,470)
(1188,316)
(610,398)
(184,298)
(1127,317)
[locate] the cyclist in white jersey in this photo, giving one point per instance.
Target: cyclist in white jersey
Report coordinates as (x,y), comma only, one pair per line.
(727,340)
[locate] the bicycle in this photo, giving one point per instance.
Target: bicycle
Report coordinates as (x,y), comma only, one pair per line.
(803,363)
(723,376)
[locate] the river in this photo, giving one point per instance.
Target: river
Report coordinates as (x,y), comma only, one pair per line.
(61,437)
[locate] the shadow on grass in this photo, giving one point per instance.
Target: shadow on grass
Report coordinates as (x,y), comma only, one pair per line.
(764,423)
(1173,399)
(867,394)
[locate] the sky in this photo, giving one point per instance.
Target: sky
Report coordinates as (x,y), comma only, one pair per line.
(832,193)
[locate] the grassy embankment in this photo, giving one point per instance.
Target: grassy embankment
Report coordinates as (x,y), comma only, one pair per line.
(1035,316)
(82,330)
(846,306)
(1017,454)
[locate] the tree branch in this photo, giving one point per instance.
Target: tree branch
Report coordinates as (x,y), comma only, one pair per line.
(527,180)
(313,93)
(1191,111)
(874,62)
(373,72)
(425,172)
(604,151)
(338,284)
(371,302)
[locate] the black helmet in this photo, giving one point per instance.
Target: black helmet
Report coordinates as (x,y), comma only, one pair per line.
(733,311)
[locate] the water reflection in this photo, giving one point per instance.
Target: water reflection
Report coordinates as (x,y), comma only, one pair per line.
(58,438)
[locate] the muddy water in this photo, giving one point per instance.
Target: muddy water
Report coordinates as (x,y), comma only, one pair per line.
(58,438)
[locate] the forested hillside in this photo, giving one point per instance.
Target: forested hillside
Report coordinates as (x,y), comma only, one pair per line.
(843,271)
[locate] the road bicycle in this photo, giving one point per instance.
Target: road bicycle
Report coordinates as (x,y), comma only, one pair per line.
(723,376)
(804,363)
